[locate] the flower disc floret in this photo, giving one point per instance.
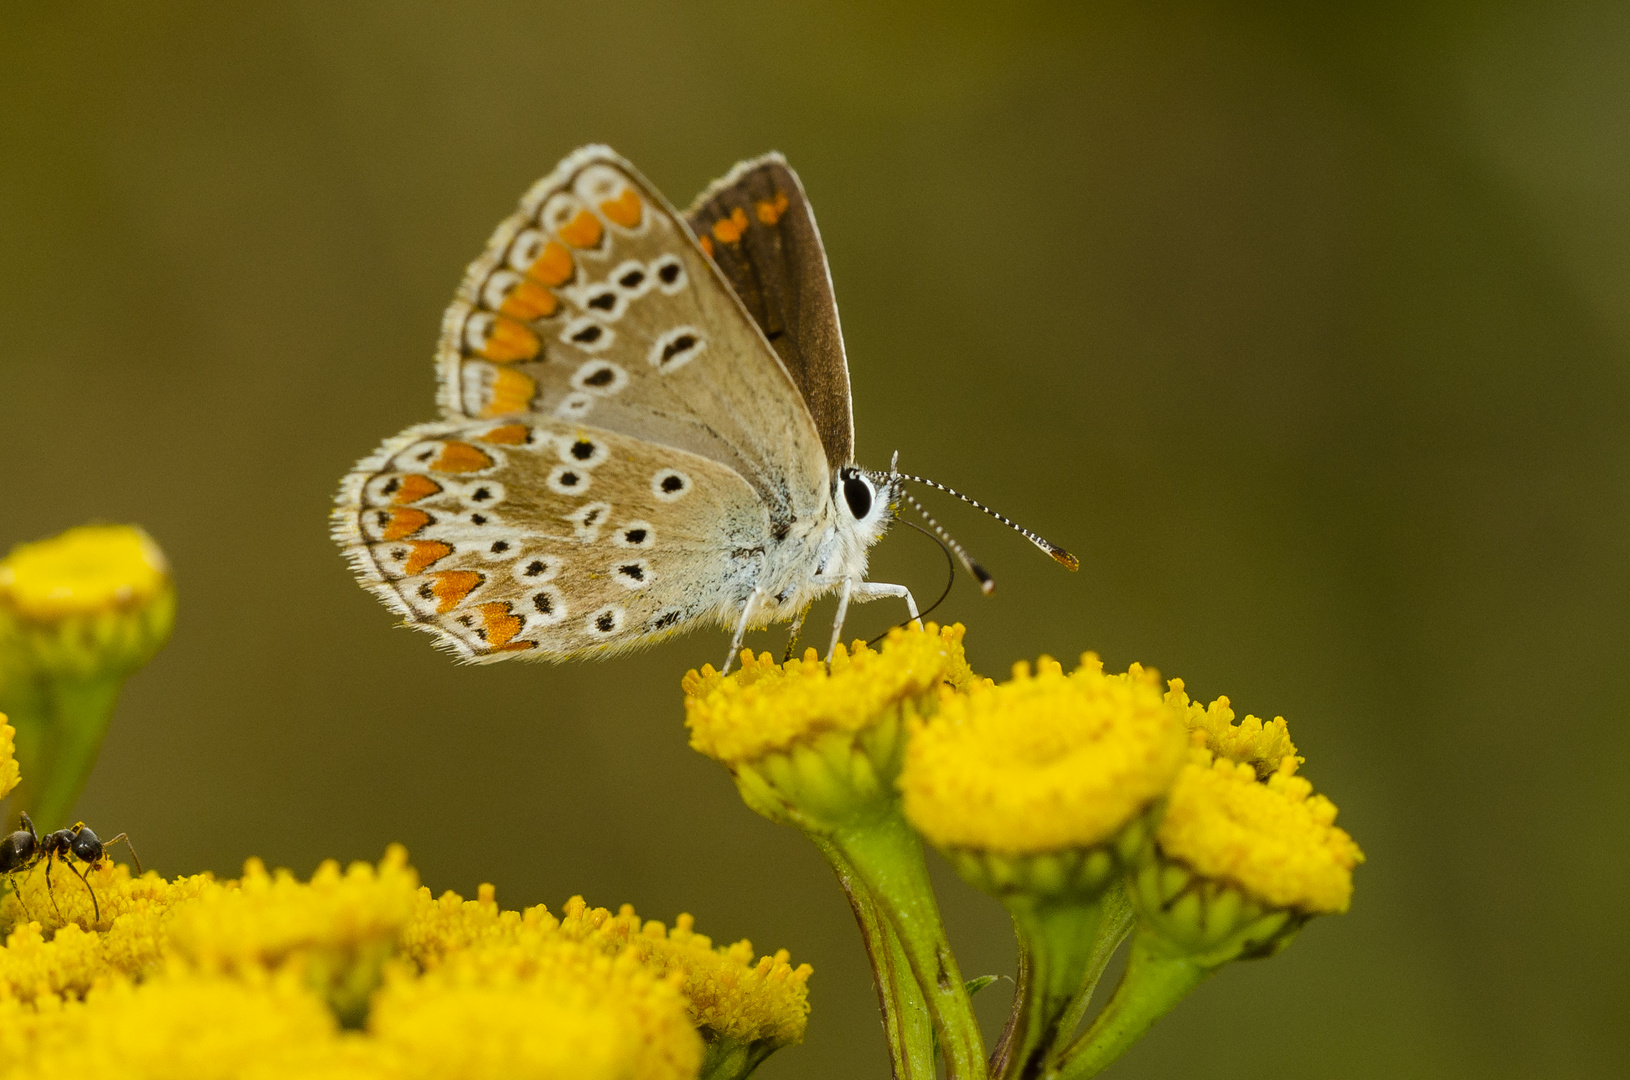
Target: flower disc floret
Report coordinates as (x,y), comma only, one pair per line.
(1276,841)
(9,774)
(1262,744)
(767,707)
(86,570)
(1044,762)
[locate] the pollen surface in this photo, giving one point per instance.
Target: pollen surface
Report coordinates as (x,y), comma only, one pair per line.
(85,570)
(1044,762)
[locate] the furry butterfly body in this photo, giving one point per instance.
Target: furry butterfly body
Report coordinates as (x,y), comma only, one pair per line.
(646,427)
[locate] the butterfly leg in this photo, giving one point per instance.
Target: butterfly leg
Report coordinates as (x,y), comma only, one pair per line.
(792,636)
(872,590)
(741,630)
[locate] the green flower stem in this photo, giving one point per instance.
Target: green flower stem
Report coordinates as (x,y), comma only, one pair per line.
(60,722)
(727,1059)
(906,1024)
(1114,925)
(1058,938)
(1154,982)
(888,858)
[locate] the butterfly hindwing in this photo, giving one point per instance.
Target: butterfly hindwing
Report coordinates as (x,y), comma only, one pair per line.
(759,229)
(593,304)
(540,537)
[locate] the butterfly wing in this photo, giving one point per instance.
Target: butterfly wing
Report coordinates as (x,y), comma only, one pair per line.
(538,537)
(759,229)
(593,304)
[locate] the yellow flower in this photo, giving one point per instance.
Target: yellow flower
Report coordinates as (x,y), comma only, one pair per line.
(1043,763)
(1276,841)
(9,774)
(538,1004)
(96,599)
(766,707)
(1211,727)
(339,927)
(814,745)
(181,1025)
(729,994)
(730,997)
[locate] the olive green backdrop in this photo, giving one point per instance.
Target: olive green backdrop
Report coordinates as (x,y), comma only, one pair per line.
(1309,333)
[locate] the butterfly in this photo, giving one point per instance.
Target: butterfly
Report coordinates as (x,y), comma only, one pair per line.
(646,427)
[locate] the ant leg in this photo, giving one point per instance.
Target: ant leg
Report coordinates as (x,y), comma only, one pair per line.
(124,838)
(95,906)
(49,859)
(11,879)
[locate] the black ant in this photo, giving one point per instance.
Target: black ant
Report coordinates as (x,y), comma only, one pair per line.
(24,849)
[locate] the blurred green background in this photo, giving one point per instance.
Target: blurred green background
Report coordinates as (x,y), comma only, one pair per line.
(1308,332)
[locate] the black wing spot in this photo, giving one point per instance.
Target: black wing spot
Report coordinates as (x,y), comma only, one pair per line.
(544,603)
(500,546)
(606,623)
(588,336)
(602,377)
(568,479)
(665,620)
(672,483)
(582,450)
(591,517)
(536,567)
(427,591)
(605,302)
(681,344)
(633,571)
(632,279)
(635,536)
(390,486)
(669,273)
(481,495)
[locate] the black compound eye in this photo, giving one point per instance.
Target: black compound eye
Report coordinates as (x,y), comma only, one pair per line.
(857,492)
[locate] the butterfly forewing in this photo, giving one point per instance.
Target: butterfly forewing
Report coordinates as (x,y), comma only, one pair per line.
(538,536)
(593,304)
(759,229)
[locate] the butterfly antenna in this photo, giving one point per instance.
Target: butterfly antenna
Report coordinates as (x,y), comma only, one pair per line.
(1059,555)
(986,582)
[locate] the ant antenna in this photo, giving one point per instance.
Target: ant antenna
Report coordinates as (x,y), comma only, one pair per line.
(1059,555)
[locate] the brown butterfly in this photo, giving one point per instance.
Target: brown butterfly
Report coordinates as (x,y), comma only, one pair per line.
(647,425)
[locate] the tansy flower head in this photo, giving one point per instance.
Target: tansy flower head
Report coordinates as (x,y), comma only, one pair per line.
(339,927)
(8,757)
(95,599)
(538,1004)
(1263,745)
(766,707)
(815,745)
(1045,762)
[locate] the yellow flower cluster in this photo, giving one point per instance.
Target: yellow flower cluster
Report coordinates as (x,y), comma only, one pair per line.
(263,975)
(1211,727)
(766,707)
(1276,840)
(84,571)
(1044,762)
(9,774)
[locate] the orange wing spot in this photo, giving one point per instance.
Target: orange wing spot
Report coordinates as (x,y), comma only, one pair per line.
(508,435)
(625,209)
(528,301)
(707,245)
(499,624)
(404,523)
(425,553)
(554,266)
(450,587)
(728,230)
(516,646)
(460,457)
(770,210)
(512,392)
(583,231)
(510,341)
(413,488)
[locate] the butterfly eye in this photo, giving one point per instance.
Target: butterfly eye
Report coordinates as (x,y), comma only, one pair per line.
(857,492)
